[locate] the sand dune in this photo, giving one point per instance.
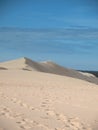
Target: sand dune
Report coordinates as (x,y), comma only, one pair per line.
(46,96)
(47,67)
(43,101)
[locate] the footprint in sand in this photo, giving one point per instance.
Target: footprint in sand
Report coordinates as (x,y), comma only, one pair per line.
(14,100)
(25,123)
(22,104)
(50,113)
(6,112)
(62,118)
(3,95)
(32,108)
(69,123)
(75,124)
(44,104)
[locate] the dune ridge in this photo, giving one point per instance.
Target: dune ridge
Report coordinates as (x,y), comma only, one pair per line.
(47,67)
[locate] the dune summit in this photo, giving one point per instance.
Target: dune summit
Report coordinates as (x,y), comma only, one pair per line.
(46,96)
(47,67)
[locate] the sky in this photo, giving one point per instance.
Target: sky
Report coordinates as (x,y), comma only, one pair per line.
(64,31)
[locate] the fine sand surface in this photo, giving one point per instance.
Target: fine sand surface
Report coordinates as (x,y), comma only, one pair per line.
(34,100)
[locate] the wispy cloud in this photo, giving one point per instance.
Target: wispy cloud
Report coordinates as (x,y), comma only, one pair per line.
(49,40)
(69,30)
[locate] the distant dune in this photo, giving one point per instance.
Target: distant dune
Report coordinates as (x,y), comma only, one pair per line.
(95,73)
(47,67)
(88,74)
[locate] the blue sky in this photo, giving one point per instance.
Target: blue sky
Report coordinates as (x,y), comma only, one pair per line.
(49,13)
(65,31)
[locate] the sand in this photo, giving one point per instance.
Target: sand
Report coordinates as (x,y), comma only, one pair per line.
(35,100)
(47,67)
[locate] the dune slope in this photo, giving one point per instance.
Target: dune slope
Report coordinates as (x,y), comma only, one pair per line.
(42,101)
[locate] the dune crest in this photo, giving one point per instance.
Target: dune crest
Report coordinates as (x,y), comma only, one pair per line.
(47,67)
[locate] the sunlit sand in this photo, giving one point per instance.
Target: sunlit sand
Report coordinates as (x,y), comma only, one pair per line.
(45,96)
